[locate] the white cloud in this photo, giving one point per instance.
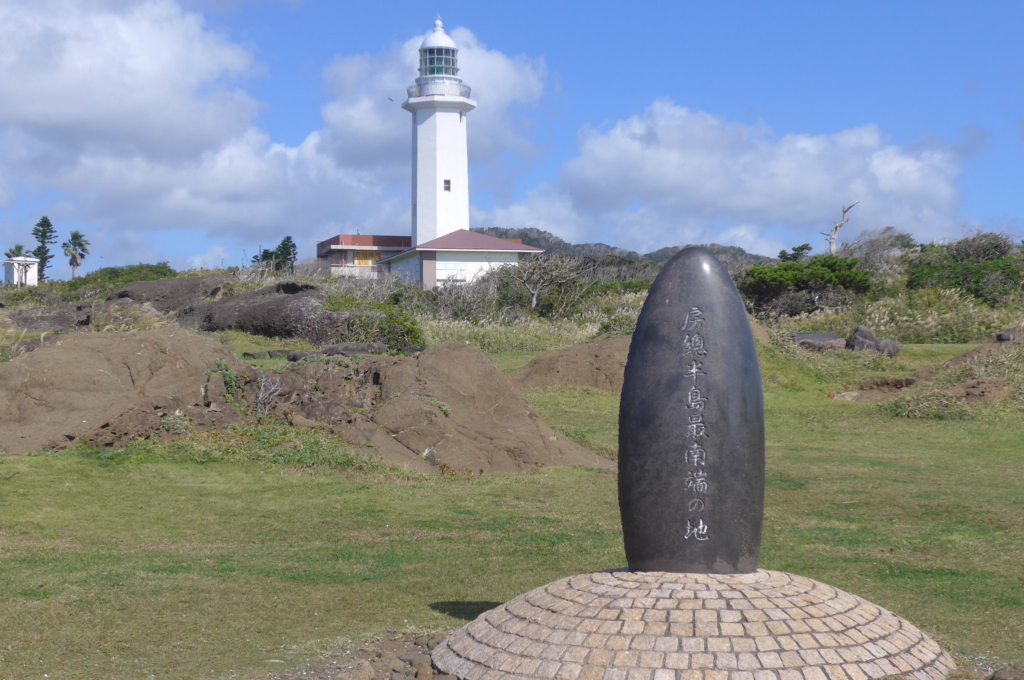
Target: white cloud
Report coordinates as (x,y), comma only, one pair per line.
(119,77)
(670,176)
(214,258)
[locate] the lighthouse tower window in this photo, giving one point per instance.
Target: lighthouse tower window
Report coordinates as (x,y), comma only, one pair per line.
(439,61)
(447,185)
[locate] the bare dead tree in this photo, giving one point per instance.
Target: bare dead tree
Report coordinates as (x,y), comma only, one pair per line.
(266,390)
(569,275)
(832,236)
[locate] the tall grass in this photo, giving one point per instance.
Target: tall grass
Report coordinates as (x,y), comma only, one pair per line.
(526,336)
(918,316)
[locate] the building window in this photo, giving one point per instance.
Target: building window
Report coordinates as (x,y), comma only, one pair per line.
(365,258)
(447,185)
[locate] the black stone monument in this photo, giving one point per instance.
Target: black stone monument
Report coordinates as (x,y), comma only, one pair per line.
(691,426)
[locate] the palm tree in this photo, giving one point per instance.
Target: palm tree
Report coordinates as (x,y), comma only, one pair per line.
(76,248)
(16,251)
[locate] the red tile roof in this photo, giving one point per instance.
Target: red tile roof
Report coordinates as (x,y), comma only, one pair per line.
(464,239)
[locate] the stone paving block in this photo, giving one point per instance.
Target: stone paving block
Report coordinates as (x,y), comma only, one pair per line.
(666,644)
(719,645)
(569,671)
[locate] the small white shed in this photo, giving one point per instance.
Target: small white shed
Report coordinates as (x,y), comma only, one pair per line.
(21,271)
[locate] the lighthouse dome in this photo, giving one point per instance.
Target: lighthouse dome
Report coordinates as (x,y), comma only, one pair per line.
(438,38)
(438,55)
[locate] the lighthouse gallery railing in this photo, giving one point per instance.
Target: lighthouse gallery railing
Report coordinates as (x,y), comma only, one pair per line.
(445,89)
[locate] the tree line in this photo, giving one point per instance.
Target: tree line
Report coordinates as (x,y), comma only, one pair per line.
(75,248)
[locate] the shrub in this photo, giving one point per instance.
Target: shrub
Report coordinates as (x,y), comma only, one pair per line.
(984,265)
(113,277)
(375,322)
(763,285)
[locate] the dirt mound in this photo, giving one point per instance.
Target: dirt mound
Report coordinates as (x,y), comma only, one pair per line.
(70,388)
(174,295)
(449,409)
(600,364)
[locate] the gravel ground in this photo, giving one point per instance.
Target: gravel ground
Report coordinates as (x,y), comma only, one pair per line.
(395,657)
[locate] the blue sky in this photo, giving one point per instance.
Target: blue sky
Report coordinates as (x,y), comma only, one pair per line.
(196,130)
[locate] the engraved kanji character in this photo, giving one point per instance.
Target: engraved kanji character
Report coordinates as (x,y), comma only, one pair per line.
(693,345)
(695,455)
(696,430)
(695,369)
(695,400)
(696,505)
(694,319)
(700,532)
(697,480)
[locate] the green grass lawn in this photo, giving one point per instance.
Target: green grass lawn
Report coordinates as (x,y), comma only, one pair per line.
(137,565)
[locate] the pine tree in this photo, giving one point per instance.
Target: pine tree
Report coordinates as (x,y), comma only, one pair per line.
(286,253)
(45,236)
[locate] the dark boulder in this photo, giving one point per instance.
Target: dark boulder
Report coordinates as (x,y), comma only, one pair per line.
(819,346)
(1011,335)
(862,339)
(348,349)
(286,310)
(51,319)
(174,295)
(889,348)
(255,355)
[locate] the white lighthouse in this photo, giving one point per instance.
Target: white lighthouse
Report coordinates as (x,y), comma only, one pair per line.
(442,250)
(439,103)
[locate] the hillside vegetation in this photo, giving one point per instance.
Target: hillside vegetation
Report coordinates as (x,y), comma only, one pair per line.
(919,293)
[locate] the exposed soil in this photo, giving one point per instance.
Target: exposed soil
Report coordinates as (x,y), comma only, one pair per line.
(73,386)
(600,364)
(448,410)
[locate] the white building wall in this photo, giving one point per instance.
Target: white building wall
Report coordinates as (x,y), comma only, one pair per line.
(465,266)
(408,268)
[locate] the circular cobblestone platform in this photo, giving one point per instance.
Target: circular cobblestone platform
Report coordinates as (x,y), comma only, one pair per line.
(621,625)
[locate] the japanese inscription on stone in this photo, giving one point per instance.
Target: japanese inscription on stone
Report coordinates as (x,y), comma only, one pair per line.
(696,430)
